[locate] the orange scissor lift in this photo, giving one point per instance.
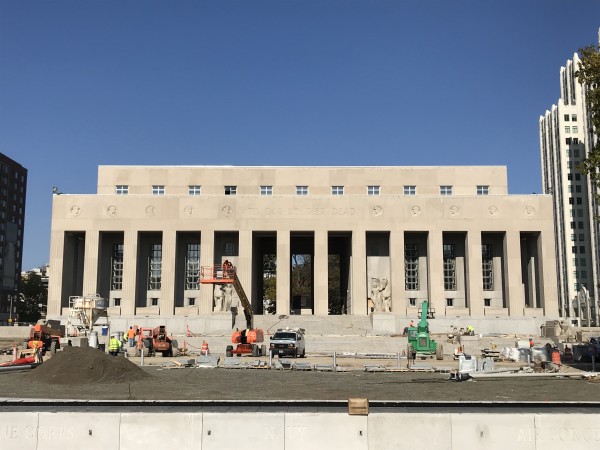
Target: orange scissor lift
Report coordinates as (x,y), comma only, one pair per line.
(248,339)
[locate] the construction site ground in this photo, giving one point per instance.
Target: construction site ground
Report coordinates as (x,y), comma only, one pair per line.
(168,380)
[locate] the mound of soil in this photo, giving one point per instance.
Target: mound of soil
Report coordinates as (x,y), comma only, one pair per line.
(82,365)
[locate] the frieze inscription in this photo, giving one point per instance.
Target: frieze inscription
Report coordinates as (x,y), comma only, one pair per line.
(300,212)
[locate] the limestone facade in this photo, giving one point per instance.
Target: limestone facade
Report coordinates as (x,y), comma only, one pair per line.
(394,236)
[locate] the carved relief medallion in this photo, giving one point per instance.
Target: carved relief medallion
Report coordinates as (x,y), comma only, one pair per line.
(377,211)
(111,210)
(188,210)
(227,211)
(150,211)
(75,210)
(415,210)
(493,210)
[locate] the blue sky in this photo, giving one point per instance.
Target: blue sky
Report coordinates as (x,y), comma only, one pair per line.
(281,82)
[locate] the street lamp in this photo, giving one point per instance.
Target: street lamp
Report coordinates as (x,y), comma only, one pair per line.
(11,310)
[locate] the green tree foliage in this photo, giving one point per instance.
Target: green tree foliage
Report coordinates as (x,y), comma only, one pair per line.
(269,283)
(336,300)
(589,75)
(301,276)
(32,294)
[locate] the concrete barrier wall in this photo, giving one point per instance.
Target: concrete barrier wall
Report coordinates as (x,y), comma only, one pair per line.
(291,431)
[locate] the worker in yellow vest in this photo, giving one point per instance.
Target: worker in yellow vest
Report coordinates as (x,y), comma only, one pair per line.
(114,345)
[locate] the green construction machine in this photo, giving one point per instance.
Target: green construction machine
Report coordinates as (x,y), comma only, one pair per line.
(419,340)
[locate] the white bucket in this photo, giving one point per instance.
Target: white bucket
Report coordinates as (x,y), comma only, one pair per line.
(93,339)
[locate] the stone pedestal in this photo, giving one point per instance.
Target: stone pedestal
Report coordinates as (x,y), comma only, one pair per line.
(385,323)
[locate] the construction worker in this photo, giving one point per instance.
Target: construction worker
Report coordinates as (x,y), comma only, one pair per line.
(131,336)
(114,345)
(204,349)
(470,330)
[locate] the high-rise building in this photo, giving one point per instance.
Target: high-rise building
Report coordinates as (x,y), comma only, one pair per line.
(13,189)
(566,137)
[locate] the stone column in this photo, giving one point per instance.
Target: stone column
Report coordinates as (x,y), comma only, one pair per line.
(546,261)
(435,266)
(359,273)
(57,245)
(207,259)
(397,272)
(283,272)
(90,261)
(244,269)
(130,244)
(167,294)
(474,273)
(321,274)
(512,268)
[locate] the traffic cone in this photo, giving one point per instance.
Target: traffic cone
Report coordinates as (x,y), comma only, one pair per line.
(189,333)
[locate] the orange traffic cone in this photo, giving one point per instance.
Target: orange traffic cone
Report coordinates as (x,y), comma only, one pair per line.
(189,333)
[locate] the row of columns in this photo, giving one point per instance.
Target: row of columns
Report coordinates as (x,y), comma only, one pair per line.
(359,284)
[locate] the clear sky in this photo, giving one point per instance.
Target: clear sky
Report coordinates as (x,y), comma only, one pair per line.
(279,82)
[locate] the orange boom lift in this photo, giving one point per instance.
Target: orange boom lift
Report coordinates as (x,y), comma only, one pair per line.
(247,341)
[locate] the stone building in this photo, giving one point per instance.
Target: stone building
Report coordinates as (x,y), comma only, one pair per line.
(388,237)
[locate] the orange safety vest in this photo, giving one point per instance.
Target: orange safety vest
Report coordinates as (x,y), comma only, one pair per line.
(204,347)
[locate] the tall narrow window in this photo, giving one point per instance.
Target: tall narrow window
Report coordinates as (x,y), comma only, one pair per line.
(449,268)
(337,190)
(121,189)
(155,267)
(230,190)
(301,190)
(192,267)
(483,190)
(487,267)
(116,279)
(158,189)
(372,190)
(194,190)
(445,190)
(266,190)
(411,267)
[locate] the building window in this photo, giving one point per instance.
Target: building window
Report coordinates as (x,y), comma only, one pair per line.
(567,129)
(372,190)
(566,117)
(411,267)
(487,267)
(580,225)
(449,268)
(578,188)
(412,301)
(582,262)
(230,190)
(116,282)
(337,190)
(573,225)
(583,274)
(575,141)
(573,237)
(577,177)
(483,190)
(191,301)
(574,249)
(158,190)
(266,190)
(155,267)
(568,141)
(580,213)
(576,153)
(574,129)
(121,189)
(192,267)
(194,190)
(116,302)
(579,202)
(449,302)
(410,190)
(154,301)
(582,237)
(568,155)
(582,249)
(487,302)
(301,190)
(445,190)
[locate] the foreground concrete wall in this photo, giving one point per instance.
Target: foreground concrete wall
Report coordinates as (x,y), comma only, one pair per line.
(290,431)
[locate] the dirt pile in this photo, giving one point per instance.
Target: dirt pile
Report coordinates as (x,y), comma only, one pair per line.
(82,365)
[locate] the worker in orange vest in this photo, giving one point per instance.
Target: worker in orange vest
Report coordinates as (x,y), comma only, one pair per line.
(131,336)
(204,350)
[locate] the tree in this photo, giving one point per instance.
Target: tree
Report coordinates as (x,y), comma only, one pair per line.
(589,75)
(32,294)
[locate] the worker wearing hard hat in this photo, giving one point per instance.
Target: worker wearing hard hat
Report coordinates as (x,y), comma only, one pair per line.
(114,345)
